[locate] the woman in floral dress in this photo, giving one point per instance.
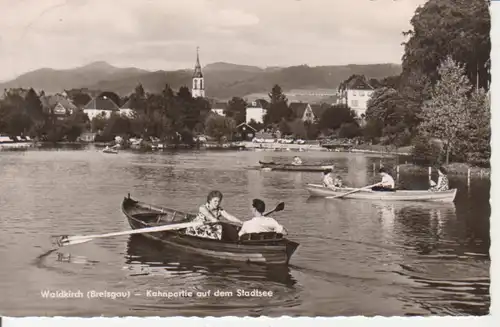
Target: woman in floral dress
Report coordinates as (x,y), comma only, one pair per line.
(211,212)
(442,183)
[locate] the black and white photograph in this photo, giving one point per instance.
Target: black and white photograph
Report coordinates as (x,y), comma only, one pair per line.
(222,158)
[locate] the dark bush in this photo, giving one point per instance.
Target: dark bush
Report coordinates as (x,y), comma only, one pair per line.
(426,152)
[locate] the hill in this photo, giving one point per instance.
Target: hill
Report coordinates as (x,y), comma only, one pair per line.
(222,80)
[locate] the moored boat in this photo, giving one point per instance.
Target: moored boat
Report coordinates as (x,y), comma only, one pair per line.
(264,248)
(398,195)
(290,167)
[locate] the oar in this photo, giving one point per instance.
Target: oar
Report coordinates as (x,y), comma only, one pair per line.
(78,239)
(279,207)
(351,192)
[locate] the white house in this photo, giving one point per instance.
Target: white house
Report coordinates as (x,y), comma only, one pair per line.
(127,109)
(256,110)
(99,105)
(355,92)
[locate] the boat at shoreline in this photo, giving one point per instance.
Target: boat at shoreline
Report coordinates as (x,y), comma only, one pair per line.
(110,151)
(263,248)
(317,190)
(290,167)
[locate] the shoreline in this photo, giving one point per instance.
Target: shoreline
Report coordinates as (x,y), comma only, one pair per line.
(454,168)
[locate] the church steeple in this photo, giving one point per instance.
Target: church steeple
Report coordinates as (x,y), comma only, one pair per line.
(198,83)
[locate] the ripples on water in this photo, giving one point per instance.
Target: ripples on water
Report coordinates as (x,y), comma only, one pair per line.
(355,258)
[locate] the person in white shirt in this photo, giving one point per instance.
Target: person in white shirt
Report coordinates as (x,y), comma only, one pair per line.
(327,178)
(296,161)
(387,183)
(260,223)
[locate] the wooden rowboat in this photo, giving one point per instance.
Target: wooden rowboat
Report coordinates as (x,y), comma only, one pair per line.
(398,195)
(290,167)
(111,151)
(264,248)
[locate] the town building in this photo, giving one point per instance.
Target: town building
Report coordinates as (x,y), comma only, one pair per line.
(355,92)
(198,81)
(256,111)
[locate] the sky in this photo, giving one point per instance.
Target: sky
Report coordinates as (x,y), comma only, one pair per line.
(164,34)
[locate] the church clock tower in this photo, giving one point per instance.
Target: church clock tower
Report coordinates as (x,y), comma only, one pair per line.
(198,82)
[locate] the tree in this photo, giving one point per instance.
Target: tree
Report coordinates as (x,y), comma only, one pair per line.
(33,106)
(236,109)
(349,130)
(219,127)
(334,116)
(445,115)
(388,112)
(460,28)
(474,140)
(278,107)
(138,99)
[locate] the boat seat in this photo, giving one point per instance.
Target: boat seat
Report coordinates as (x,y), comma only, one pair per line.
(264,236)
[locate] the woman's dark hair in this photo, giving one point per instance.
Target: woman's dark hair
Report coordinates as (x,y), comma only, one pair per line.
(382,170)
(214,194)
(443,170)
(259,205)
(326,171)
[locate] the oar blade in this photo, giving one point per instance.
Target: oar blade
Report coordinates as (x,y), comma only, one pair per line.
(65,240)
(280,206)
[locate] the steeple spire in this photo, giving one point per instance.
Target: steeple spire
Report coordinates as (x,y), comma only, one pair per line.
(197,67)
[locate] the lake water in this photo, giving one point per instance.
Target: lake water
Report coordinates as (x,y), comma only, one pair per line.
(355,257)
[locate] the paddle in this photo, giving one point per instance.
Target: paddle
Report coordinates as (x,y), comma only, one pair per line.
(65,240)
(78,239)
(351,192)
(279,207)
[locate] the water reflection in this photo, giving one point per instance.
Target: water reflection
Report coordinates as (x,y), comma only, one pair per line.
(146,257)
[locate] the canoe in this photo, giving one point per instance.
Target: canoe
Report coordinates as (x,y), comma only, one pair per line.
(290,167)
(263,248)
(398,195)
(112,151)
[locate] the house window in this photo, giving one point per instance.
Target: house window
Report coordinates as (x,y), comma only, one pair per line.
(354,93)
(361,93)
(354,103)
(201,84)
(195,84)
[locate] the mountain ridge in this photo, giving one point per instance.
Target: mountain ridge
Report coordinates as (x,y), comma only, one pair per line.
(223,80)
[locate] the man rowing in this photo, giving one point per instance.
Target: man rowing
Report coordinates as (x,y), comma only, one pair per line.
(387,183)
(260,223)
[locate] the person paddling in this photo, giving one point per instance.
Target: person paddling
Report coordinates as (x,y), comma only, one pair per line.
(260,223)
(387,183)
